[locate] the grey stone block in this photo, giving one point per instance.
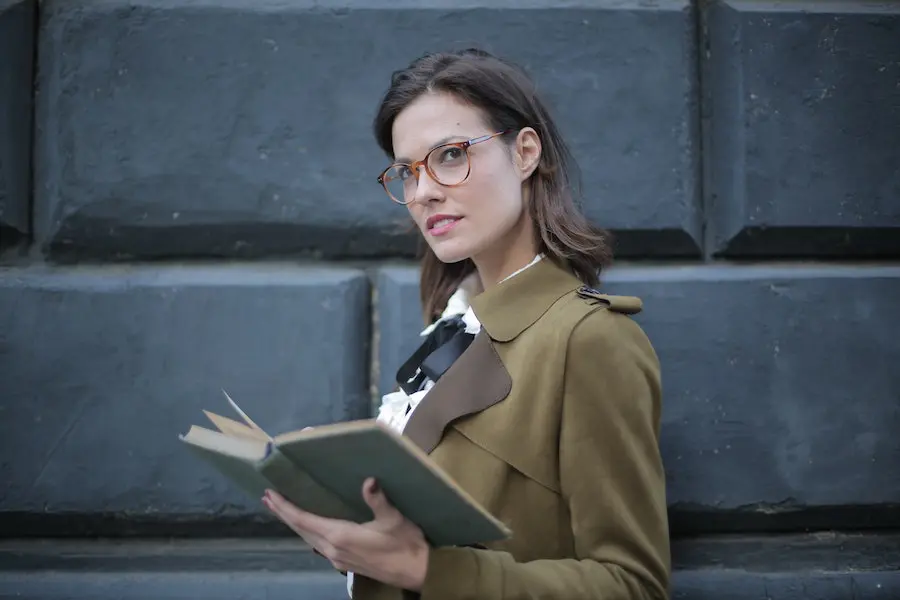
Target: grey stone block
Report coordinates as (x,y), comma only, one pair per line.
(824,567)
(130,585)
(781,401)
(248,554)
(714,584)
(709,584)
(243,128)
(789,554)
(781,392)
(17,21)
(804,114)
(103,368)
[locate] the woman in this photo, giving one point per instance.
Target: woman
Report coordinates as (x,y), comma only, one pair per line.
(547,410)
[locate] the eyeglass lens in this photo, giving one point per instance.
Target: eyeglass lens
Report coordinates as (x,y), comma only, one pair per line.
(448,165)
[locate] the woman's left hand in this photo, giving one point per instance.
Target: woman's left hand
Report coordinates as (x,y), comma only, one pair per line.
(389,549)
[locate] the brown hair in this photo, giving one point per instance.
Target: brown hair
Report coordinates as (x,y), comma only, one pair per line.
(509,101)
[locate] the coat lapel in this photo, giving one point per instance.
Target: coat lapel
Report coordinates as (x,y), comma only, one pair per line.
(476,381)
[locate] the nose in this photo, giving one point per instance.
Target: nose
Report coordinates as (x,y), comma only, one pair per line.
(427,189)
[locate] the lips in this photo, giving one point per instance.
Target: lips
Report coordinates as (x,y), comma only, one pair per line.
(441,225)
(440,221)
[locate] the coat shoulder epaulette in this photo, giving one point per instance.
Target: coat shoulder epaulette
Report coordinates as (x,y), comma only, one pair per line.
(628,305)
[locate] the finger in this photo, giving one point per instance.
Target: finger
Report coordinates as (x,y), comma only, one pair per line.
(295,517)
(321,528)
(316,542)
(277,510)
(370,486)
(382,509)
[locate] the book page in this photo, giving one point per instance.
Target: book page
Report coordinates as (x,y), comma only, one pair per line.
(233,428)
(216,442)
(244,416)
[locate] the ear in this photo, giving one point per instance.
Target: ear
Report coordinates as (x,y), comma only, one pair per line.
(527,152)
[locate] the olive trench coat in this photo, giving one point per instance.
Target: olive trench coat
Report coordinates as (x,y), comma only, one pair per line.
(550,419)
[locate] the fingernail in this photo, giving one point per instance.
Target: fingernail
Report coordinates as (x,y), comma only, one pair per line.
(375,488)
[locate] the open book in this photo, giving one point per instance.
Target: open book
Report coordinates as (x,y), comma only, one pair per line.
(322,470)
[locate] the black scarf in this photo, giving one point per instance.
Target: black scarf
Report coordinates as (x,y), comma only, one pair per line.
(442,346)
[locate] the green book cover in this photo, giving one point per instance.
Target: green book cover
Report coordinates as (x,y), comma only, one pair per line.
(322,469)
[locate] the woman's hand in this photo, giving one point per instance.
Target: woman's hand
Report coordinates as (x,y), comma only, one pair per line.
(389,549)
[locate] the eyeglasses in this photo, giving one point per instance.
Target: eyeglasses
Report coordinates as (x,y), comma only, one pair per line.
(447,164)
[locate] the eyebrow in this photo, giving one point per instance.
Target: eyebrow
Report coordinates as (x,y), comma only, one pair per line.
(440,142)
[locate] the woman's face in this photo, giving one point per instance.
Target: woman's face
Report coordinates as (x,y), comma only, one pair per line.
(486,214)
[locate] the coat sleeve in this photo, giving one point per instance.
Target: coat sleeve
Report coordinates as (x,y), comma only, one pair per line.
(611,479)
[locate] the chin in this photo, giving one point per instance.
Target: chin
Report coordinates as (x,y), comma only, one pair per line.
(450,251)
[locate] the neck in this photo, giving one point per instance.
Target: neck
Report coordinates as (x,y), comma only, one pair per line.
(509,255)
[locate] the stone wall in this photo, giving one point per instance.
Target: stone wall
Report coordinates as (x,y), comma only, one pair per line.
(188,203)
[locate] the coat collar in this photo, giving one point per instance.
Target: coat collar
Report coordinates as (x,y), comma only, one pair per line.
(512,306)
(478,379)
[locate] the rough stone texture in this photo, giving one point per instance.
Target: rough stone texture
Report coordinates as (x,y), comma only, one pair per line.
(244,127)
(17,21)
(825,551)
(781,395)
(103,368)
(146,585)
(714,584)
(804,112)
(691,585)
(826,567)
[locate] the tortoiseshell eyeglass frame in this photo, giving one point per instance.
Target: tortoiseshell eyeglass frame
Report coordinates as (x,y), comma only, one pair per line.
(415,165)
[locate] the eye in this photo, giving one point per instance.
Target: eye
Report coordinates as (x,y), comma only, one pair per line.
(451,154)
(401,172)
